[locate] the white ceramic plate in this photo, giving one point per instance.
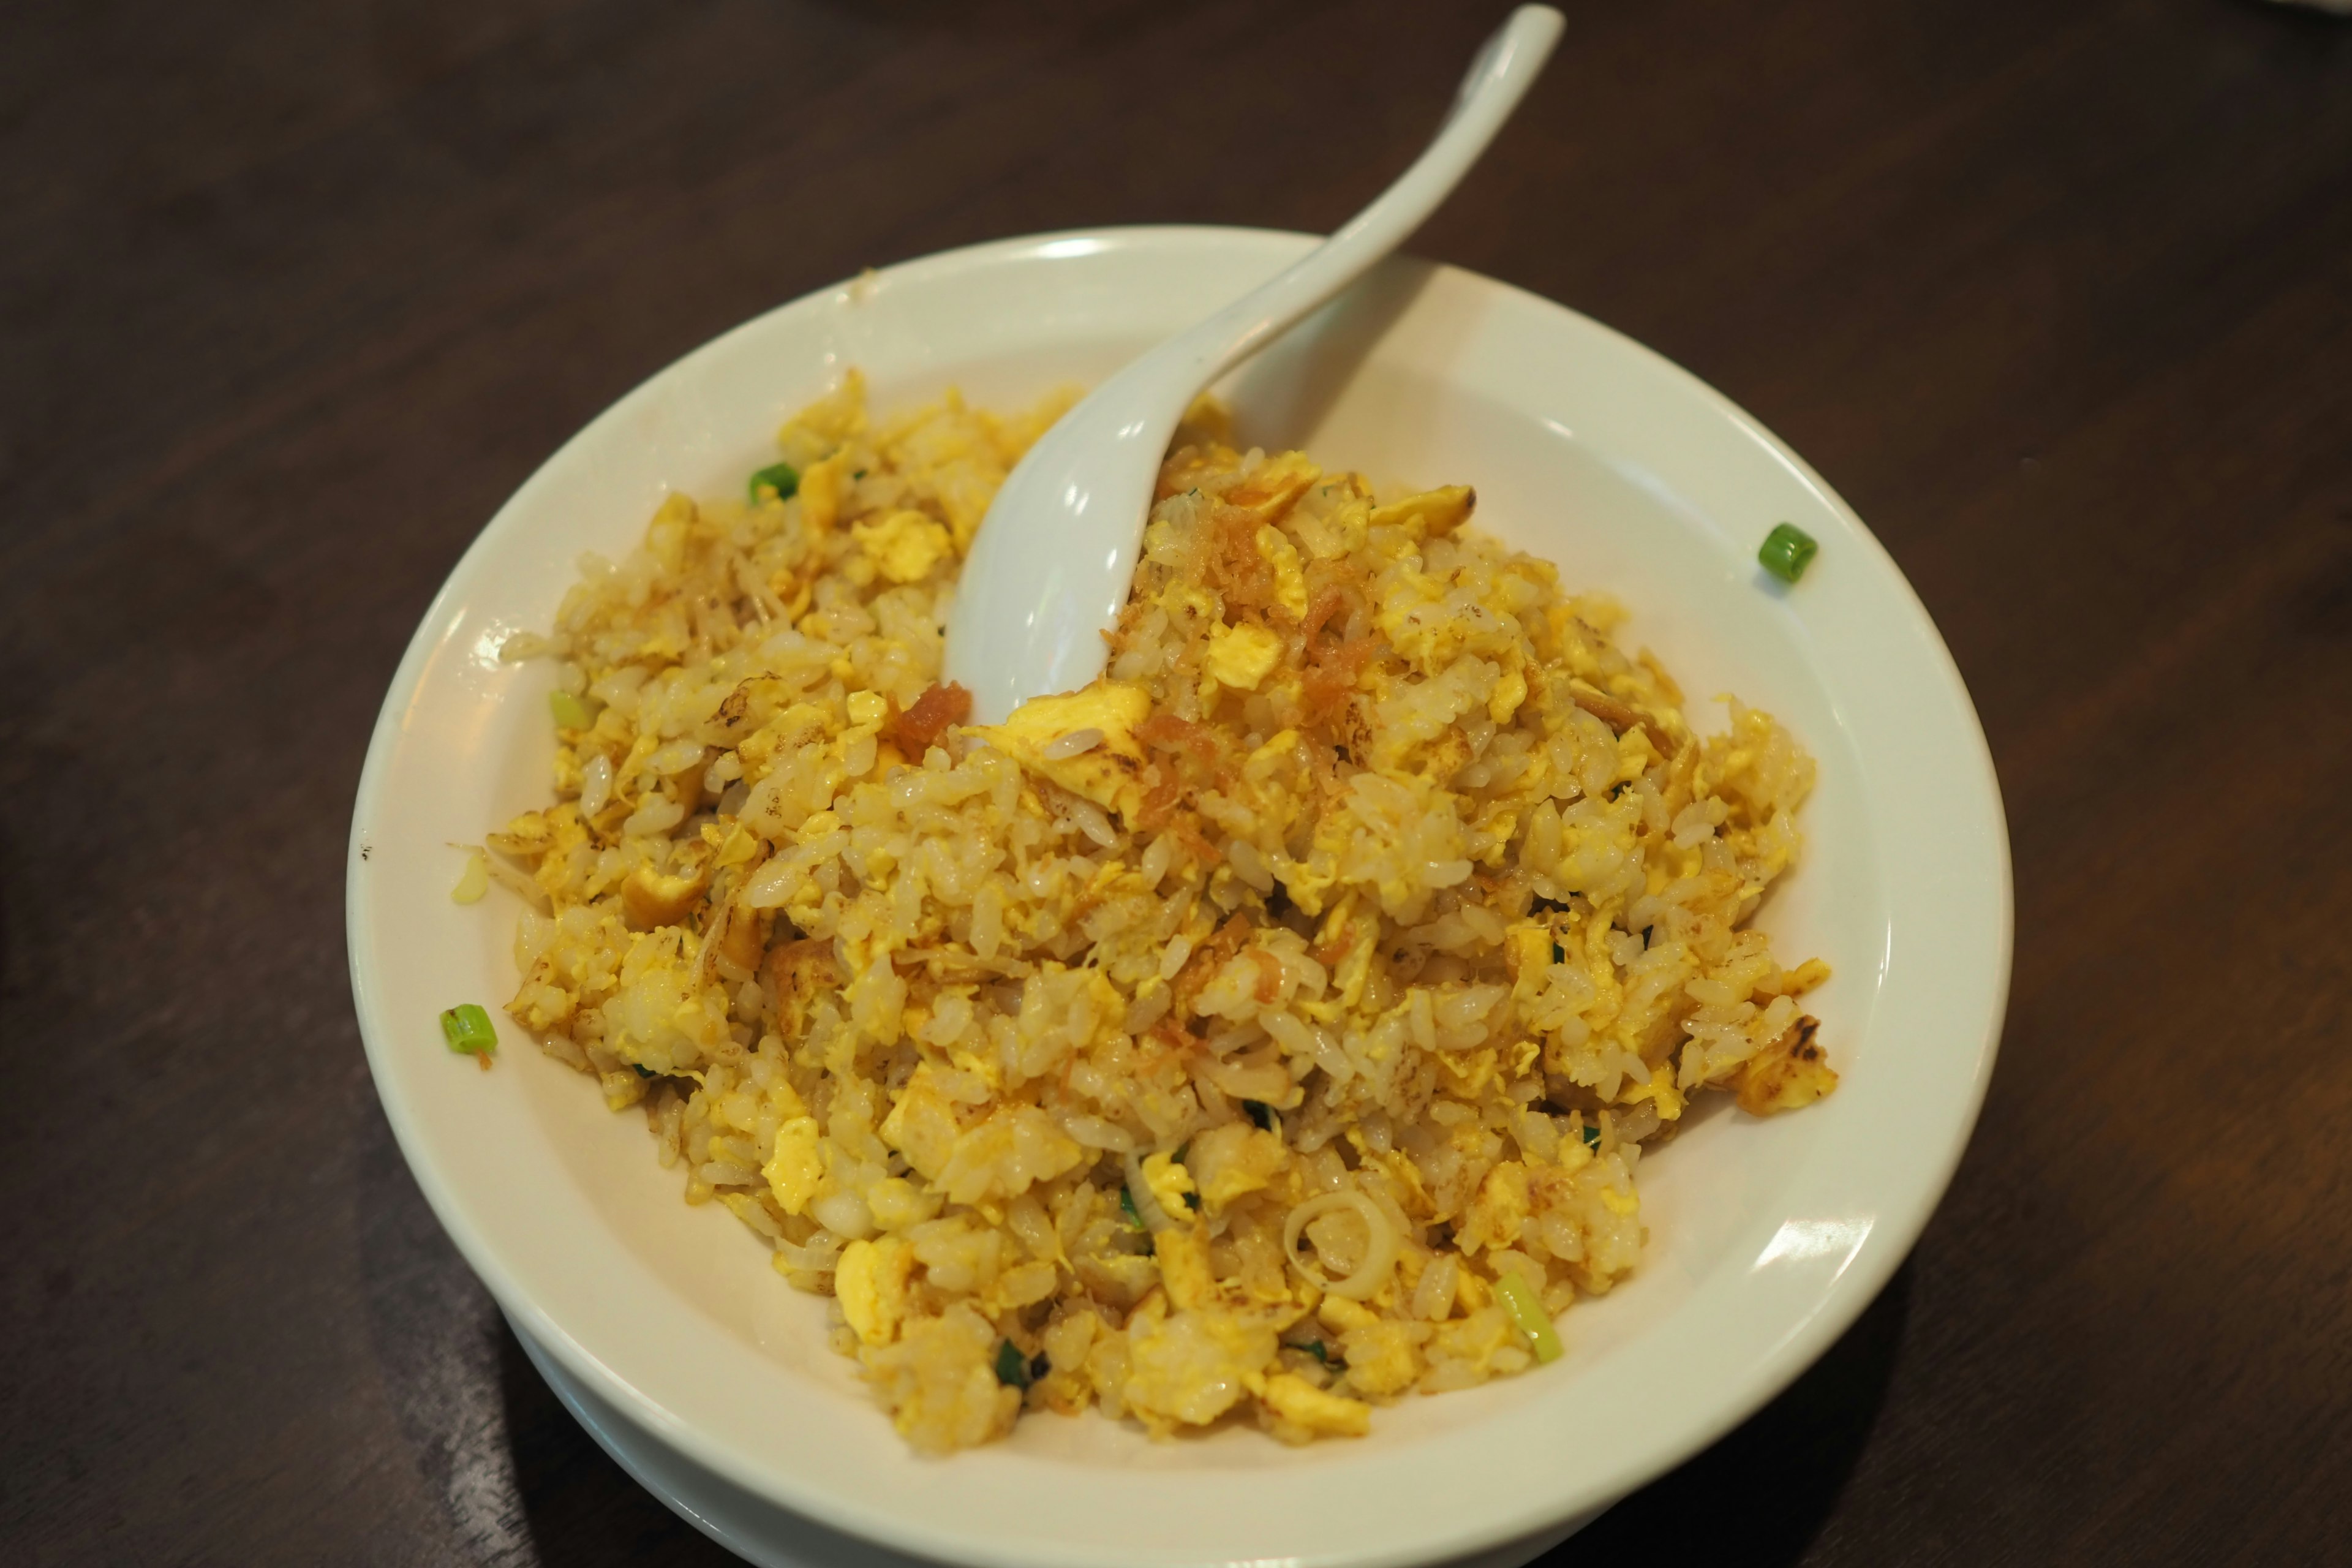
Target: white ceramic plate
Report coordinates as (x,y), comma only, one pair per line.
(1765,1237)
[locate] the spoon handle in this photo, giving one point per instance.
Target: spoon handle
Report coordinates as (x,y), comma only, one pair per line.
(1498,78)
(1055,558)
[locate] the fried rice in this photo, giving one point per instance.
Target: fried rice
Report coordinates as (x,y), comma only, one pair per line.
(1269,1031)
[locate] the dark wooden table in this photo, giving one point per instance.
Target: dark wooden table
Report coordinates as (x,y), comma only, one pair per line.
(293,295)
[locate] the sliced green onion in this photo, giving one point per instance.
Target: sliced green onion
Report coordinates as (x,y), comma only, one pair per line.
(1591,1136)
(1788,550)
(1127,1206)
(467,1029)
(571,713)
(1011,1366)
(1518,1300)
(780,478)
(1260,1113)
(1310,1347)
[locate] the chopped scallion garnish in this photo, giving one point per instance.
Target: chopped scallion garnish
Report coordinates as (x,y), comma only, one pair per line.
(1127,1206)
(1786,551)
(1310,1347)
(1527,1315)
(1011,1366)
(468,1030)
(780,478)
(1260,1113)
(1591,1136)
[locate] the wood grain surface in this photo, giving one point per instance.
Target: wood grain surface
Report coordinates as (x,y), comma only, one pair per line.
(293,295)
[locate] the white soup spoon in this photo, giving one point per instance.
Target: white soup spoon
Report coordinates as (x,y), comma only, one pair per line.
(1052,563)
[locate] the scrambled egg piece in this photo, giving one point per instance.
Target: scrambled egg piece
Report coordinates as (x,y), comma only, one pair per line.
(652,898)
(1275,486)
(820,491)
(922,1126)
(1509,693)
(1193,1367)
(1002,1156)
(1170,1183)
(1381,1357)
(870,1282)
(1430,514)
(1108,773)
(1290,580)
(1499,1211)
(1788,1075)
(904,545)
(1381,1353)
(1231,1162)
(1473,1339)
(1183,1257)
(1299,1402)
(797,1166)
(1242,656)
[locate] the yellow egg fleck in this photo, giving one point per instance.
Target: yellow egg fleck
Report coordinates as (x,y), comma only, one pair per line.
(1240,657)
(1183,1255)
(1430,513)
(1195,1366)
(796,1167)
(1105,773)
(652,898)
(1380,1354)
(1509,693)
(897,1202)
(1289,581)
(1170,1183)
(870,1282)
(1473,1339)
(1233,1161)
(905,546)
(820,491)
(1294,1399)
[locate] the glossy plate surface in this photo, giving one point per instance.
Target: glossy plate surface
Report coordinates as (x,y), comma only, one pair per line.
(770,1537)
(1766,1238)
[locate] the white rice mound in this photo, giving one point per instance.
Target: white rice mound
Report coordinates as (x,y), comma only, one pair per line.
(1207,1045)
